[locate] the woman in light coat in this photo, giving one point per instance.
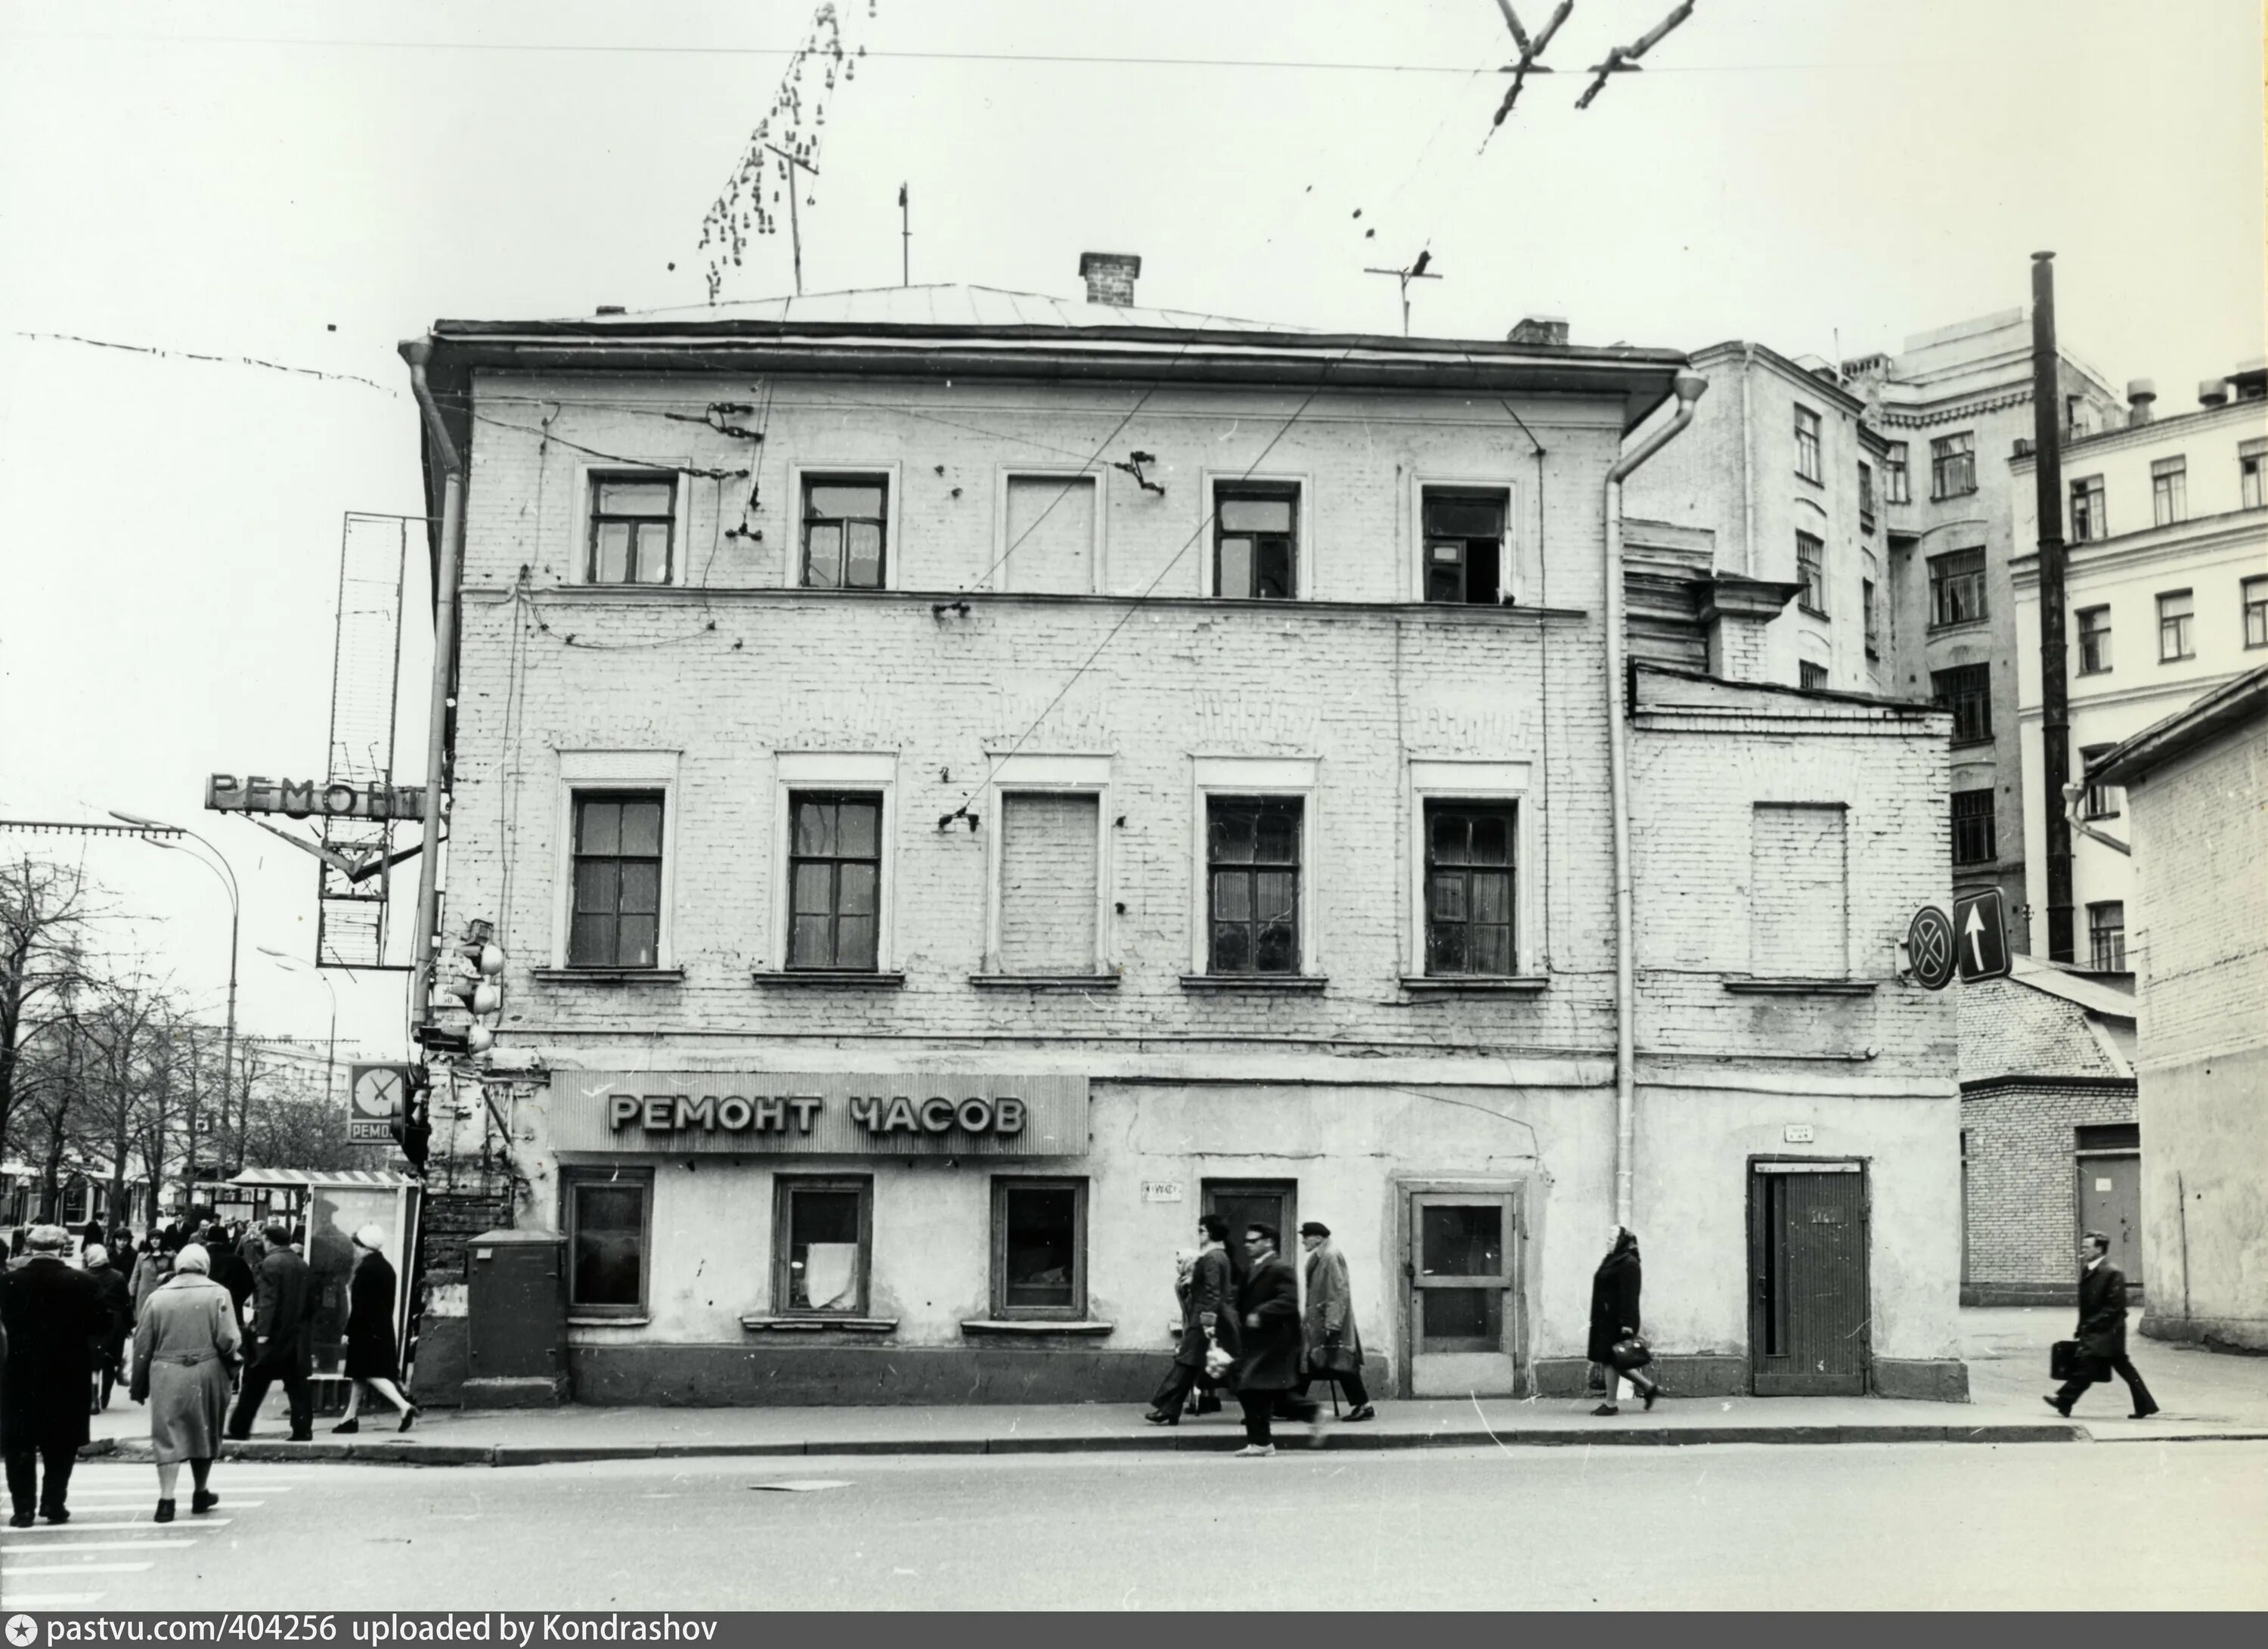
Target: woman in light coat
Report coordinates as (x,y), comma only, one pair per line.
(185,1347)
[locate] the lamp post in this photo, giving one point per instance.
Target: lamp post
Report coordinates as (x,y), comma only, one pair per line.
(220,865)
(331,1053)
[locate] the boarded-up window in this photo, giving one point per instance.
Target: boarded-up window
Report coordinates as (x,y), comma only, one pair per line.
(1048,894)
(1799,893)
(1051,528)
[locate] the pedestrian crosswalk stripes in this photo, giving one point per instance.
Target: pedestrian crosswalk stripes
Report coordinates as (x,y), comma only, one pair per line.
(115,1505)
(17,1572)
(9,1537)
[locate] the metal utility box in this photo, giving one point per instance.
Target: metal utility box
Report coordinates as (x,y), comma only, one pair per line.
(516,1306)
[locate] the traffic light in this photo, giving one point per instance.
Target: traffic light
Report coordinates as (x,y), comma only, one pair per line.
(412,1128)
(478,987)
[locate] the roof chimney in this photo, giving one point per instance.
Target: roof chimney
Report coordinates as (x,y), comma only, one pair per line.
(1539,329)
(1110,278)
(612,309)
(2140,391)
(2212,392)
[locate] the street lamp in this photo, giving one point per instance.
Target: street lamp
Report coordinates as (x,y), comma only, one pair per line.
(228,1037)
(331,1057)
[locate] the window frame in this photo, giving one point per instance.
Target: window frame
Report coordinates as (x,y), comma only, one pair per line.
(800,476)
(1004,477)
(784,1188)
(1807,587)
(2187,621)
(1988,816)
(1253,778)
(1475,806)
(2079,625)
(591,471)
(1943,581)
(1004,1185)
(572,1178)
(584,796)
(2252,602)
(1511,588)
(2095,932)
(595,477)
(2252,474)
(1942,459)
(1492,784)
(794,771)
(2169,490)
(1870,616)
(584,772)
(1983,698)
(1302,489)
(1035,774)
(2089,510)
(1810,441)
(1866,499)
(1897,473)
(2100,801)
(1804,669)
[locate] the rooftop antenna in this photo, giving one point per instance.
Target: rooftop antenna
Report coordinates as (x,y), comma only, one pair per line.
(905,240)
(794,228)
(1414,272)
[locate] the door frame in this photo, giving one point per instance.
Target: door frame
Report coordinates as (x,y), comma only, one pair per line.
(1520,1332)
(2080,1161)
(1756,1170)
(1287,1240)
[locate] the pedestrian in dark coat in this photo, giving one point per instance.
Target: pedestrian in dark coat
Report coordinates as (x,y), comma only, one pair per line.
(1614,1318)
(53,1315)
(1208,1319)
(283,1322)
(2102,1332)
(1334,1344)
(116,1322)
(230,1271)
(373,1360)
(1268,1370)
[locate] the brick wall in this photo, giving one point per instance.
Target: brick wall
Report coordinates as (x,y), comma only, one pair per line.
(449,1220)
(2022,1210)
(1047,867)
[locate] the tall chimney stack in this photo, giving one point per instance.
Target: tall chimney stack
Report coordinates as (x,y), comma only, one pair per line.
(1110,278)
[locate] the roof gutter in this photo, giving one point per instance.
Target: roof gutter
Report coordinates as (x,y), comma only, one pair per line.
(1689,389)
(448,572)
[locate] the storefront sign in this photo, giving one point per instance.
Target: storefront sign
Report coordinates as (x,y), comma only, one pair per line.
(803,1113)
(311,798)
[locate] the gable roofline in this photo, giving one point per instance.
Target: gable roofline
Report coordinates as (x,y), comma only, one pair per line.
(2228,707)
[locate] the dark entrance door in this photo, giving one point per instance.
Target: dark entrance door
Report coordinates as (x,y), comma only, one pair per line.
(1242,1202)
(2111,1202)
(1807,1319)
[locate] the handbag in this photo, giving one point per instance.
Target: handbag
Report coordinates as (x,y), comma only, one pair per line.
(1631,1353)
(2063,1360)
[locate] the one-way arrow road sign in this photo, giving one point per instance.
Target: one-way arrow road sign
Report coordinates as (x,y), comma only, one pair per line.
(1980,924)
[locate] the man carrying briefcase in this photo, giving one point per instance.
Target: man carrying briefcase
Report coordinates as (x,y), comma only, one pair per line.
(2101,1349)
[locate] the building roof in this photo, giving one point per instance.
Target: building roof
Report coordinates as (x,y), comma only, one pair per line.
(2228,707)
(940,305)
(2046,1023)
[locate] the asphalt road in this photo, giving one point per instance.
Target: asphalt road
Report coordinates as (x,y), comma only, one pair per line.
(1853,1525)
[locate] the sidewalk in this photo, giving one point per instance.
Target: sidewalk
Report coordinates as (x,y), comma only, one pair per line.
(2203,1395)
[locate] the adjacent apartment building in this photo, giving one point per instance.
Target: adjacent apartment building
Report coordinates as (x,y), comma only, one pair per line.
(968,782)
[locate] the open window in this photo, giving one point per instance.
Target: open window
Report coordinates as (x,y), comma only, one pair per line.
(1464,545)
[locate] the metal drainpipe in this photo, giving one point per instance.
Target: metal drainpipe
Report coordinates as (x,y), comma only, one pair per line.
(1747,465)
(1689,389)
(417,352)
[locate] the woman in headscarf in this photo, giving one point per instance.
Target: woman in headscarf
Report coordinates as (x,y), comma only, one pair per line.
(1615,1321)
(373,1360)
(185,1348)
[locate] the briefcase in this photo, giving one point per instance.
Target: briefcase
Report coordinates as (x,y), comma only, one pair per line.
(2063,1360)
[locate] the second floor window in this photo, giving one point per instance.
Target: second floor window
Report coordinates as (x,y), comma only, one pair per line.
(1256,543)
(1896,486)
(1811,573)
(1465,547)
(2251,462)
(835,880)
(2170,491)
(1806,444)
(2088,521)
(2094,640)
(616,916)
(1967,691)
(2102,800)
(1973,841)
(845,530)
(1469,888)
(2106,936)
(632,520)
(1252,859)
(1953,465)
(2255,611)
(2177,626)
(1956,587)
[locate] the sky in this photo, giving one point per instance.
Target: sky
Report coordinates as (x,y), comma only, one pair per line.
(308,184)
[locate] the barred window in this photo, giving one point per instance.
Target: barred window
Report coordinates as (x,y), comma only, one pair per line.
(1973,841)
(1956,587)
(1810,675)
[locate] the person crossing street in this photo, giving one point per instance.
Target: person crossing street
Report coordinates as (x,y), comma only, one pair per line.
(53,1318)
(284,1311)
(2102,1332)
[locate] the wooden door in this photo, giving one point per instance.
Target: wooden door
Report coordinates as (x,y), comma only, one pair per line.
(1263,1202)
(2111,1202)
(1808,1327)
(1462,1264)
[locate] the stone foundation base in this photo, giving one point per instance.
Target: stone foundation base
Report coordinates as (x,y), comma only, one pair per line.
(1926,1381)
(725,1376)
(2244,1336)
(531,1392)
(1696,1376)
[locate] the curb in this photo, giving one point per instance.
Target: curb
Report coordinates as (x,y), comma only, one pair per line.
(404,1452)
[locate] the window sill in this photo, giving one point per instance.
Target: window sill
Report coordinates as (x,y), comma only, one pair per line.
(2180,657)
(1813,611)
(1453,985)
(820,1325)
(980,1326)
(636,1319)
(820,979)
(1972,744)
(608,975)
(1044,981)
(1282,984)
(1980,622)
(1815,479)
(1750,985)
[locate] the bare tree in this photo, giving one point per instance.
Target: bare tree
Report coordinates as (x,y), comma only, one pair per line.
(44,909)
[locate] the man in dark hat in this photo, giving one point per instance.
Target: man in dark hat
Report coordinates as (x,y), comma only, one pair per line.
(284,1306)
(1334,1344)
(52,1314)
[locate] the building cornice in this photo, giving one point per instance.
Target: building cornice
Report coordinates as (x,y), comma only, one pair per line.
(2179,426)
(2199,536)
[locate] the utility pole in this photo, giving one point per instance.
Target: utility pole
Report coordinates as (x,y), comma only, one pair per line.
(905,240)
(1414,272)
(2055,681)
(794,227)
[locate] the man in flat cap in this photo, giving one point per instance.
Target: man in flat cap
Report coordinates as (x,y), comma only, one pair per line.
(1334,1344)
(53,1315)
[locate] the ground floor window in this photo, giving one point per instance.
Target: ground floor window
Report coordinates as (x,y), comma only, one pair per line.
(823,1243)
(1039,1249)
(609,1226)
